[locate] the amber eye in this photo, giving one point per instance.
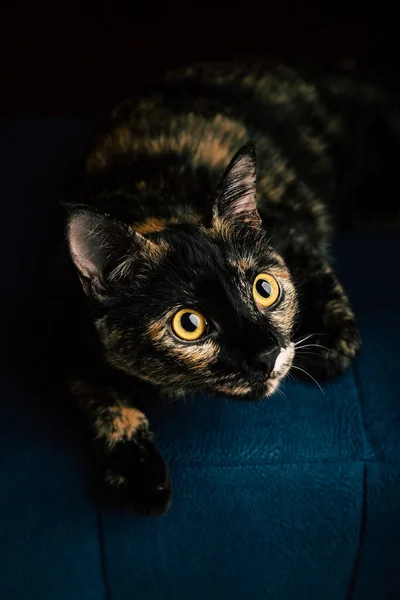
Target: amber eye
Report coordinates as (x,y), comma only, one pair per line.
(188,324)
(266,290)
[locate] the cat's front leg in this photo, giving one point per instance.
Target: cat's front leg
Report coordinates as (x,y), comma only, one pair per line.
(328,338)
(134,472)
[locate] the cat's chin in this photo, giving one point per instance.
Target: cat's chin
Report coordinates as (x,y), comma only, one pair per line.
(238,392)
(282,367)
(270,386)
(246,392)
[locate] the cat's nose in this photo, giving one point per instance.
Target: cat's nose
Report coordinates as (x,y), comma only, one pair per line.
(265,361)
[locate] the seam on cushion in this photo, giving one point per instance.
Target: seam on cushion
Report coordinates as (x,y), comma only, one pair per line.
(361,534)
(366,445)
(103,561)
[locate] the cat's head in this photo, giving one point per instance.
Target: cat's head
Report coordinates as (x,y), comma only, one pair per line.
(192,307)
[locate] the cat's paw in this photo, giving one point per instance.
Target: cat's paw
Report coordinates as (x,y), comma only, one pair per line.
(136,476)
(325,355)
(342,353)
(329,337)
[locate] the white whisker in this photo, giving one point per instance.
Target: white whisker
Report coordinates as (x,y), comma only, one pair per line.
(312,346)
(304,339)
(307,337)
(311,377)
(282,393)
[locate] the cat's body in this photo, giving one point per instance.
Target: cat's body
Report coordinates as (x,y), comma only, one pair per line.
(171,300)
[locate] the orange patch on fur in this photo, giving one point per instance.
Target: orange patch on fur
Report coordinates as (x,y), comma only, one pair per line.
(151,225)
(154,225)
(281,274)
(156,330)
(118,423)
(244,264)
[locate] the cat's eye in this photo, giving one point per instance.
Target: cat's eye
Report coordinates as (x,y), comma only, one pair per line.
(188,324)
(266,290)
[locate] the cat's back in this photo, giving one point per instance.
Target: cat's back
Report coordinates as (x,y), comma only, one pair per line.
(209,109)
(176,137)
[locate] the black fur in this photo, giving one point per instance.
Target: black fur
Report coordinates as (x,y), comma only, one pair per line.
(165,218)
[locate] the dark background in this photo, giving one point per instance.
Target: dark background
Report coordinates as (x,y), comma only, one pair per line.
(82,57)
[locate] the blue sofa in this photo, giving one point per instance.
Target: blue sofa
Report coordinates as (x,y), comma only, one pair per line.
(295,498)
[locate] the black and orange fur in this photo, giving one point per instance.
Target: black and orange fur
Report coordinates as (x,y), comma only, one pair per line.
(160,221)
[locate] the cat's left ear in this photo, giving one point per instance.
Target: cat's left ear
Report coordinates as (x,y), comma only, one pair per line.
(236,195)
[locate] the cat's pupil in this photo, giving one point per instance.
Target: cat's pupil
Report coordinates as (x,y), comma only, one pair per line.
(264,288)
(190,322)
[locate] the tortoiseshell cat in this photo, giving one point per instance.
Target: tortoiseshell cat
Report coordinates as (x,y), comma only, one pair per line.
(189,272)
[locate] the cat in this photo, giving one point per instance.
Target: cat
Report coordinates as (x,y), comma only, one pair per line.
(196,253)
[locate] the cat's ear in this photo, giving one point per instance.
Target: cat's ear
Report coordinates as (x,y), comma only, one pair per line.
(236,195)
(98,245)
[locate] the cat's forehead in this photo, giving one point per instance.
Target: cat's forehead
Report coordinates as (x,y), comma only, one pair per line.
(205,252)
(199,267)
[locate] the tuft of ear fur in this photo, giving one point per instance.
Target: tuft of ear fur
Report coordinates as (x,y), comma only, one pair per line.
(236,195)
(98,246)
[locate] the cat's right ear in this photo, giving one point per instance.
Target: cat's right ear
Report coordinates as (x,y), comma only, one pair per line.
(98,245)
(236,201)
